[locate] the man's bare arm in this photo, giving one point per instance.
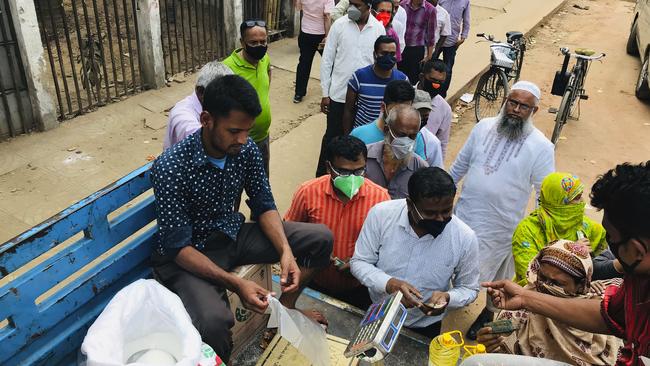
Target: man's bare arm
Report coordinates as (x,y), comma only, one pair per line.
(579,313)
(197,263)
(349,110)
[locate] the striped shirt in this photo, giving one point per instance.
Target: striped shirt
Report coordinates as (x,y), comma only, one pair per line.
(370,90)
(316,202)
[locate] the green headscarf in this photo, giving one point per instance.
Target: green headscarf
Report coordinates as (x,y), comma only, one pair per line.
(560,218)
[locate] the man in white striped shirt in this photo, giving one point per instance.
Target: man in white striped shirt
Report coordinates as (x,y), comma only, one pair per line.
(416,246)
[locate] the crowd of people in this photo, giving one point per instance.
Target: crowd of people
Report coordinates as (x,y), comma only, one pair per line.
(381,216)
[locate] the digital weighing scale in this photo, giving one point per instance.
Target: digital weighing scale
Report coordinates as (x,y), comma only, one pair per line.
(379,328)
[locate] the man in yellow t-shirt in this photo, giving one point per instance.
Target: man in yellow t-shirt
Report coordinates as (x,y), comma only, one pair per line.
(253,64)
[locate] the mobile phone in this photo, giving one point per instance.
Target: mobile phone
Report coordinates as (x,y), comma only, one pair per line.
(580,234)
(501,326)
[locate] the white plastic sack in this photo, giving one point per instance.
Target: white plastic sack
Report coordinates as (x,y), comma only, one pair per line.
(143,316)
(303,333)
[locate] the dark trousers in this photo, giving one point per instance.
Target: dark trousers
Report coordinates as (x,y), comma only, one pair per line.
(308,45)
(206,302)
(410,65)
(448,57)
(334,128)
(430,331)
(265,150)
(358,297)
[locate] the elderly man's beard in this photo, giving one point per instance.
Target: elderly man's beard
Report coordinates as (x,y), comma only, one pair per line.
(388,154)
(513,127)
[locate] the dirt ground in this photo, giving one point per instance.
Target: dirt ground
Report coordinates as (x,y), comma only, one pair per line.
(614,126)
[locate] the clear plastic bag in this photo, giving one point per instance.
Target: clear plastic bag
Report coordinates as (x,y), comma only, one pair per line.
(303,333)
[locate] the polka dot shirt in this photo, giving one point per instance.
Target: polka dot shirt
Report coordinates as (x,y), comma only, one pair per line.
(194,198)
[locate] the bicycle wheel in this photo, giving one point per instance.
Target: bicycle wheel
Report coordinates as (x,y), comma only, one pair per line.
(562,114)
(490,94)
(519,62)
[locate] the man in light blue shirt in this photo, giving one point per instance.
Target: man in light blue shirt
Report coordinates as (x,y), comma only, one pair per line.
(416,246)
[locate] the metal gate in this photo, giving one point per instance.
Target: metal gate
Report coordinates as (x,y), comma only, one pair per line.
(92,48)
(15,107)
(268,10)
(193,34)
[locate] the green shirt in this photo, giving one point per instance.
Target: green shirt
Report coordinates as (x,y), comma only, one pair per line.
(260,80)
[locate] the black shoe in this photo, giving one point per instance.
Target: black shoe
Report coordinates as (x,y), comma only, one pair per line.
(485,317)
(297,98)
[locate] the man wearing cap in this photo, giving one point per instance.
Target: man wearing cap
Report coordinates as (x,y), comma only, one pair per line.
(432,145)
(502,160)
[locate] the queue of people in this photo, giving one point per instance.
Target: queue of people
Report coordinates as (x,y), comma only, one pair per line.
(380,216)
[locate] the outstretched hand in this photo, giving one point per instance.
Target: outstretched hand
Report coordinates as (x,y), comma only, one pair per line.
(505,294)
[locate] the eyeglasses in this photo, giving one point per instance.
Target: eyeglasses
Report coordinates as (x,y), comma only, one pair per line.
(346,173)
(514,104)
(253,23)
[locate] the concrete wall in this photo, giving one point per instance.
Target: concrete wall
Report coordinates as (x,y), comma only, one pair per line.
(151,51)
(33,57)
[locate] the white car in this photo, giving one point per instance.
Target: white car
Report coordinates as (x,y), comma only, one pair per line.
(638,44)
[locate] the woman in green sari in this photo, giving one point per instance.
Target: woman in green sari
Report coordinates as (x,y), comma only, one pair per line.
(560,215)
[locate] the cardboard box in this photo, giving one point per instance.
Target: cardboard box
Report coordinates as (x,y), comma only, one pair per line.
(248,323)
(281,353)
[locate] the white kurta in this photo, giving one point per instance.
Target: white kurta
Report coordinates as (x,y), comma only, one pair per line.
(499,177)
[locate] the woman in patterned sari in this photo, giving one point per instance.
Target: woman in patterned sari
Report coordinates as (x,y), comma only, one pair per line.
(562,269)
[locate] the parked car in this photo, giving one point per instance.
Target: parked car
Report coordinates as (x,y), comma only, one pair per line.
(638,44)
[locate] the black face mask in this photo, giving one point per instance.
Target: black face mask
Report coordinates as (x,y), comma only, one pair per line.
(256,52)
(386,62)
(433,227)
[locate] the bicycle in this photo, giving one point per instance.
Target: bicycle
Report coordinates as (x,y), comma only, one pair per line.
(571,87)
(506,61)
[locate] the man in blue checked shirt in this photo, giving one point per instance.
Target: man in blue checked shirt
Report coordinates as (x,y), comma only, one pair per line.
(202,238)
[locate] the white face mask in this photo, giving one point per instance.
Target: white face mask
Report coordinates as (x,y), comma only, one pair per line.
(401,146)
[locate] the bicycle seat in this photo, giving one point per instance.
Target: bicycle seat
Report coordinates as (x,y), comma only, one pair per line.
(513,36)
(584,52)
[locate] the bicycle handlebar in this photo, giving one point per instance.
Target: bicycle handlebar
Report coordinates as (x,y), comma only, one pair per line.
(565,51)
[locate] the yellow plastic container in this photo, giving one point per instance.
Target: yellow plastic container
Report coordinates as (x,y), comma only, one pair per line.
(444,350)
(473,350)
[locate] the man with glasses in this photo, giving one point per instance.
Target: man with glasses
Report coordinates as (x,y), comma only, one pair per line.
(253,64)
(340,200)
(418,247)
(502,160)
(623,194)
(391,162)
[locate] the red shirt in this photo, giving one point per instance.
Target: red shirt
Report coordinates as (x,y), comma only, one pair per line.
(626,311)
(316,201)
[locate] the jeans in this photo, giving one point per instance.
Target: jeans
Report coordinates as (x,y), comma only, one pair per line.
(449,57)
(334,128)
(410,65)
(308,45)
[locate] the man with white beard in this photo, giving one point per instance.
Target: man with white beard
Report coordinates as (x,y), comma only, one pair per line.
(502,160)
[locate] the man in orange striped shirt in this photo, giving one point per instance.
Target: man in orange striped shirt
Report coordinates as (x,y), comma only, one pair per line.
(340,200)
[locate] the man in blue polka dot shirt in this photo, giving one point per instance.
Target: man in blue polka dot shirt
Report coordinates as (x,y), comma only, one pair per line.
(202,237)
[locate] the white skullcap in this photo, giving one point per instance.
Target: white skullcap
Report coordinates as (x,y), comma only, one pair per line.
(529,87)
